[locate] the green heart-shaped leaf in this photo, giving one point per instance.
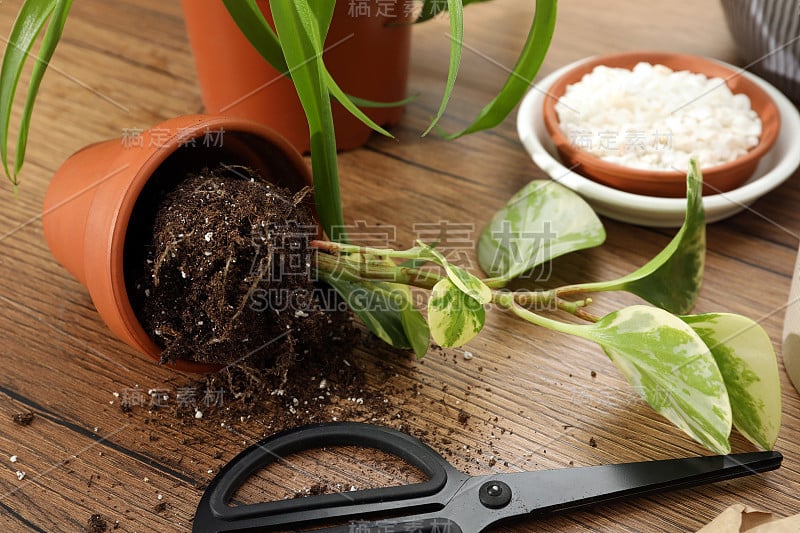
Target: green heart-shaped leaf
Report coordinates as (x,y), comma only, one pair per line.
(541,222)
(454,317)
(672,279)
(466,282)
(748,364)
(671,367)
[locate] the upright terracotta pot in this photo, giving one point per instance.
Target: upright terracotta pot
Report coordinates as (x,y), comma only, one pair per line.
(97,200)
(367,54)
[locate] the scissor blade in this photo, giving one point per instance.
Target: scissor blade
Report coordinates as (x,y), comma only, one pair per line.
(549,491)
(488,500)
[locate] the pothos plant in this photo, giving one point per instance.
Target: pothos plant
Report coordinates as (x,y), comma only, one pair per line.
(703,372)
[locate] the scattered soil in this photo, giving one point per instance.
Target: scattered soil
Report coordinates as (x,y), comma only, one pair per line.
(227,274)
(314,490)
(160,507)
(592,442)
(23,419)
(96,524)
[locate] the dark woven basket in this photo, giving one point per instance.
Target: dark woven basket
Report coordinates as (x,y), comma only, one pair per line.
(767,34)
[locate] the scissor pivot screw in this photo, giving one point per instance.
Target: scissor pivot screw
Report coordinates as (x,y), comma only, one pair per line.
(494,494)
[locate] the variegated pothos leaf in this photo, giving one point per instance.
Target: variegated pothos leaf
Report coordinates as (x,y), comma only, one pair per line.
(471,285)
(748,364)
(672,279)
(671,368)
(541,222)
(454,317)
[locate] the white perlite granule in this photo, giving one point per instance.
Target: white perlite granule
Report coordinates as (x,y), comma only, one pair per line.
(654,118)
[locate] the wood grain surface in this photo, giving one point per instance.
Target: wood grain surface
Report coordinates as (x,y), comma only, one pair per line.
(534,399)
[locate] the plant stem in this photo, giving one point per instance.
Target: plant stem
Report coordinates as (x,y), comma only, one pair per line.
(354,270)
(507,301)
(339,248)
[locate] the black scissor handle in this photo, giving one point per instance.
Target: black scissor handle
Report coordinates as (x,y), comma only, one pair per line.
(214,513)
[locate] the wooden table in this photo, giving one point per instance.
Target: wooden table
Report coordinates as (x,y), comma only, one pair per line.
(533,399)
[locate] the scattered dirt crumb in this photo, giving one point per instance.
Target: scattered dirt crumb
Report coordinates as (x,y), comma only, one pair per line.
(314,490)
(592,442)
(96,524)
(23,419)
(463,417)
(593,373)
(160,507)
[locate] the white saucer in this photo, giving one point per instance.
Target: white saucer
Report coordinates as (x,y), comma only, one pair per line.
(773,169)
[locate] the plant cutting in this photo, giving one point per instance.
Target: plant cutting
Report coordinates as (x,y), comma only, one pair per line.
(704,373)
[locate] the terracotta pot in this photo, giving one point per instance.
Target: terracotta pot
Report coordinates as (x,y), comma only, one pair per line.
(97,200)
(367,54)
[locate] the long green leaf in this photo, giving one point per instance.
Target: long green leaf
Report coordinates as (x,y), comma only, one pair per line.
(523,73)
(363,102)
(348,104)
(303,55)
(414,325)
(541,222)
(323,14)
(456,10)
(671,367)
(748,364)
(323,11)
(672,279)
(49,43)
(30,21)
(256,29)
(454,317)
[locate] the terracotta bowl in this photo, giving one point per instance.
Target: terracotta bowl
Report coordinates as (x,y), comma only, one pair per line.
(665,183)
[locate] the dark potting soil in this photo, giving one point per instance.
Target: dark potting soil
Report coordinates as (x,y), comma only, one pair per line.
(228,279)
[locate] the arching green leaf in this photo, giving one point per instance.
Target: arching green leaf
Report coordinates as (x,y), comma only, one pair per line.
(456,10)
(31,19)
(672,279)
(522,74)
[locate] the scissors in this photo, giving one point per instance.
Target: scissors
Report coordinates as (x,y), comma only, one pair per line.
(449,501)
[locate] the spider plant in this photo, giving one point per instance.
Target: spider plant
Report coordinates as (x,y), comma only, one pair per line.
(295,48)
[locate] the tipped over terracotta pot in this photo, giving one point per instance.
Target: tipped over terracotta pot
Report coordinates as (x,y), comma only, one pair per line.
(96,197)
